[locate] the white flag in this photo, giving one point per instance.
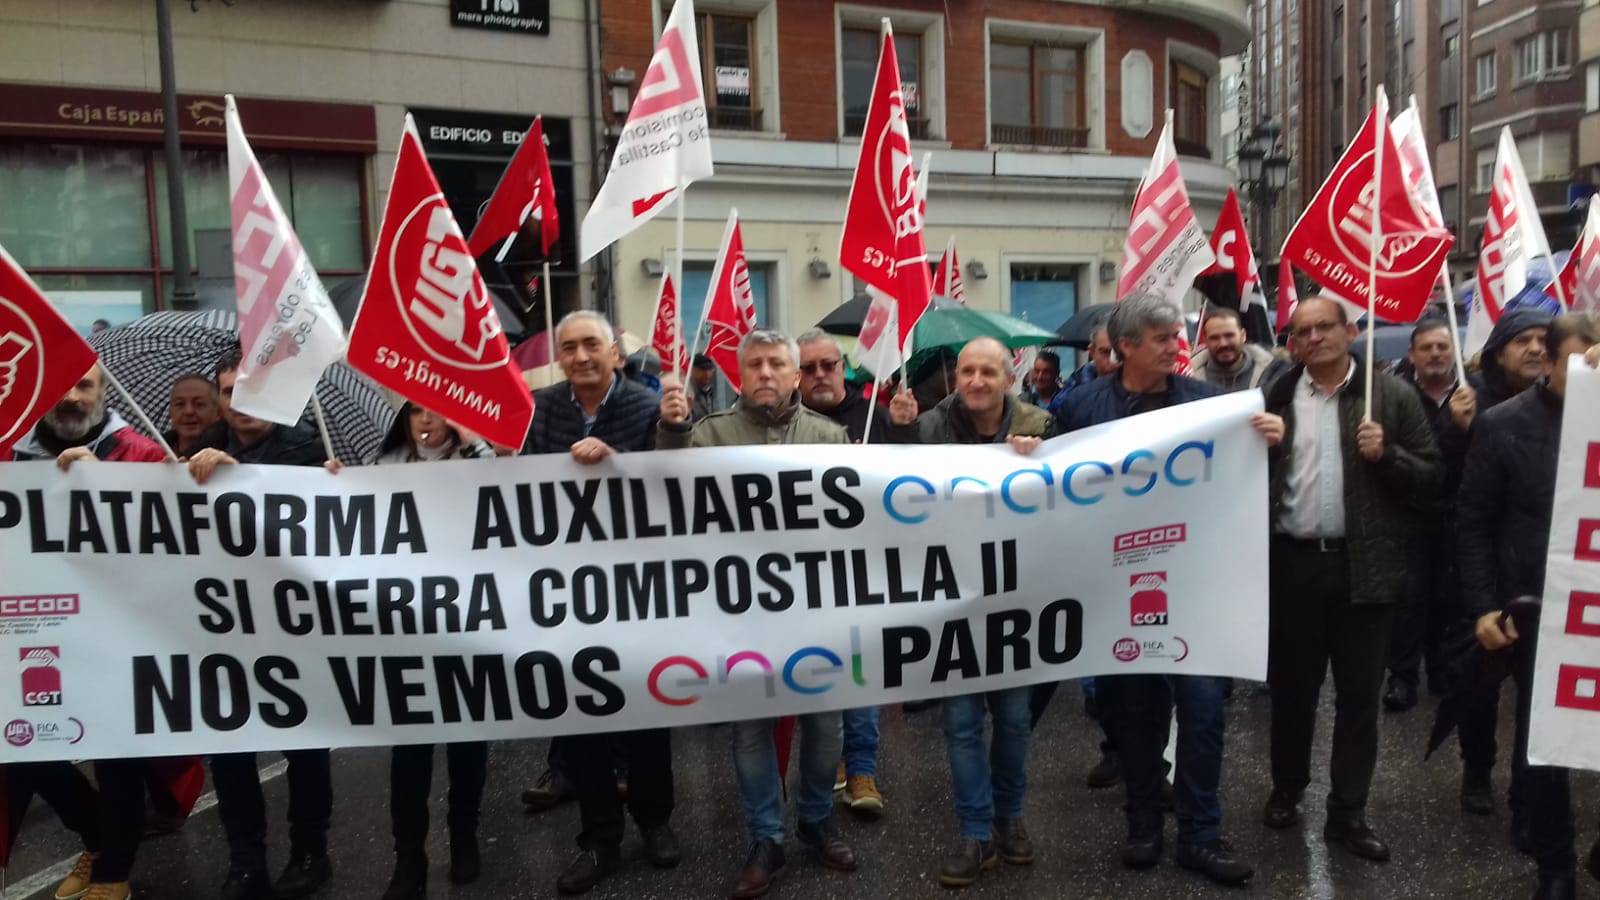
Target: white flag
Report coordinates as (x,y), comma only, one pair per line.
(288,329)
(1513,236)
(665,145)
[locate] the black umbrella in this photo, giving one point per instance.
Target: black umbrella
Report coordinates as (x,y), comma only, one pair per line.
(1079,330)
(847,317)
(1479,672)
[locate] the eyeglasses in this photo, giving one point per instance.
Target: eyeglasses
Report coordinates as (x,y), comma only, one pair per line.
(1323,328)
(1101,351)
(825,366)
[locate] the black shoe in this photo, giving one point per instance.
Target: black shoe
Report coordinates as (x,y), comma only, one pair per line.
(1402,696)
(410,881)
(246,884)
(587,869)
(1477,791)
(764,864)
(963,866)
(1357,838)
(1107,772)
(552,790)
(465,864)
(1142,850)
(1214,860)
(302,876)
(1282,809)
(831,849)
(1011,840)
(661,846)
(1557,887)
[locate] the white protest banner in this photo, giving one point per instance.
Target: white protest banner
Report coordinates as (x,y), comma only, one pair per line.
(1565,729)
(495,599)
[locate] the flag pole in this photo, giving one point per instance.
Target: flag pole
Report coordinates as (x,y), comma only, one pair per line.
(878,373)
(138,412)
(677,269)
(549,312)
(1455,329)
(1561,291)
(322,427)
(1382,116)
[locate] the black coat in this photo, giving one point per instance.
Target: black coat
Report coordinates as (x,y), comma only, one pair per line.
(853,412)
(626,420)
(284,445)
(1503,506)
(1106,400)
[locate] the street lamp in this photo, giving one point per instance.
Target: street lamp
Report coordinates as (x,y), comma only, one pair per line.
(1264,168)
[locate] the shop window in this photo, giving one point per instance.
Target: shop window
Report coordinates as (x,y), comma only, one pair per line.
(729,48)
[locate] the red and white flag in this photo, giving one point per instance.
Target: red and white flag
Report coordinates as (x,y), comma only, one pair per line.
(427,328)
(674,355)
(1334,237)
(730,307)
(525,191)
(1288,299)
(41,356)
(1580,277)
(289,331)
(1236,260)
(882,242)
(1513,236)
(947,278)
(1412,146)
(665,145)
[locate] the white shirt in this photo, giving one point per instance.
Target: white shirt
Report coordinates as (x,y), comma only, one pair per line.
(1313,493)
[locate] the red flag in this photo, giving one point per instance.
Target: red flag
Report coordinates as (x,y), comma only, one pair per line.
(947,279)
(730,307)
(41,356)
(1580,277)
(664,335)
(882,242)
(1332,241)
(427,328)
(525,190)
(1287,298)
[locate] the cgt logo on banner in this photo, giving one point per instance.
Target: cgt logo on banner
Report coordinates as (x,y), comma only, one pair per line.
(1565,729)
(536,597)
(41,680)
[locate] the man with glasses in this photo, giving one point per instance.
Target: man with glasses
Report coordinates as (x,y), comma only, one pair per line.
(1343,486)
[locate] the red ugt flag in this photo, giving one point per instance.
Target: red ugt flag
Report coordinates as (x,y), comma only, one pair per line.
(664,341)
(526,190)
(882,242)
(427,328)
(947,278)
(730,308)
(1287,298)
(41,356)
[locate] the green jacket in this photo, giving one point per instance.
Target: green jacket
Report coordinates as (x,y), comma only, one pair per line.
(748,424)
(1381,499)
(948,423)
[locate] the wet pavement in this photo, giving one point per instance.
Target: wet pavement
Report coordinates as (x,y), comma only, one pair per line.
(1439,852)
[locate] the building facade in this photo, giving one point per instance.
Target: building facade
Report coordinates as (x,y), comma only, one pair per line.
(1040,116)
(323,87)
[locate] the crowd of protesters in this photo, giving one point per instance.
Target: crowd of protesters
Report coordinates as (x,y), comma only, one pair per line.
(1397,535)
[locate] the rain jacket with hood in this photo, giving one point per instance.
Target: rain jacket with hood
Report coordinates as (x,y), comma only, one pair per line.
(1490,383)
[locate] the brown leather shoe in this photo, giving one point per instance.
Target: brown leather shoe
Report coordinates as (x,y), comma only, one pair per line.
(764,864)
(831,849)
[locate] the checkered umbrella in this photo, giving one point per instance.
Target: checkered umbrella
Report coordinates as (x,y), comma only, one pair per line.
(148,354)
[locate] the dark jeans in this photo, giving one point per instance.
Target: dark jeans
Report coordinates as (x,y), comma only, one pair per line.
(1544,789)
(121,811)
(63,788)
(1314,623)
(110,820)
(411,781)
(243,809)
(1431,607)
(588,760)
(1138,709)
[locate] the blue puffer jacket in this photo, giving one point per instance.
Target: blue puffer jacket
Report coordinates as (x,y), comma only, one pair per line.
(1106,400)
(626,420)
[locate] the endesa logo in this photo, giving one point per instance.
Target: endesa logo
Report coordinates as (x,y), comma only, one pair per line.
(808,670)
(19,733)
(41,680)
(1148,605)
(39,605)
(1145,538)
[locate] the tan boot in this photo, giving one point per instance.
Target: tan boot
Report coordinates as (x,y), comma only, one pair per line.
(105,890)
(76,883)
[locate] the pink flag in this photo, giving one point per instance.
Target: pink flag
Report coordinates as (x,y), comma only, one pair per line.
(1580,277)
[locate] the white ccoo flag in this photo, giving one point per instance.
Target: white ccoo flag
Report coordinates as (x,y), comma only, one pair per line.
(288,329)
(1513,236)
(665,145)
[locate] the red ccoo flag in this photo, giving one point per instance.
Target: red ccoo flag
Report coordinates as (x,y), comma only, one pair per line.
(41,356)
(882,242)
(730,307)
(664,335)
(525,191)
(947,278)
(427,328)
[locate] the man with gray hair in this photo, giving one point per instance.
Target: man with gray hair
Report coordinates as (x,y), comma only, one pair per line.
(769,411)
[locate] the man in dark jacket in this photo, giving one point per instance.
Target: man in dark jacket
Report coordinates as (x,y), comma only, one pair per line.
(240,803)
(1344,484)
(1513,357)
(1503,509)
(593,414)
(1137,709)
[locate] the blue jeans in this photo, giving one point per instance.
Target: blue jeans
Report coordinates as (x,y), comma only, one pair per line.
(988,783)
(1139,710)
(755,761)
(861,741)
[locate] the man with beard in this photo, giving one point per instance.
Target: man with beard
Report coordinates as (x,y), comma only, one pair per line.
(196,418)
(110,820)
(240,803)
(1229,360)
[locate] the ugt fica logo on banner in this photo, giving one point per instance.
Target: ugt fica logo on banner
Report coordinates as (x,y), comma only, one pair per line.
(41,680)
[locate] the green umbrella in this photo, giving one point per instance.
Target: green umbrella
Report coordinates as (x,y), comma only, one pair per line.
(947,329)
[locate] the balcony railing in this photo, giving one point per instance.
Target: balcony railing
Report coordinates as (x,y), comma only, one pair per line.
(1186,147)
(1040,136)
(735,118)
(854,125)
